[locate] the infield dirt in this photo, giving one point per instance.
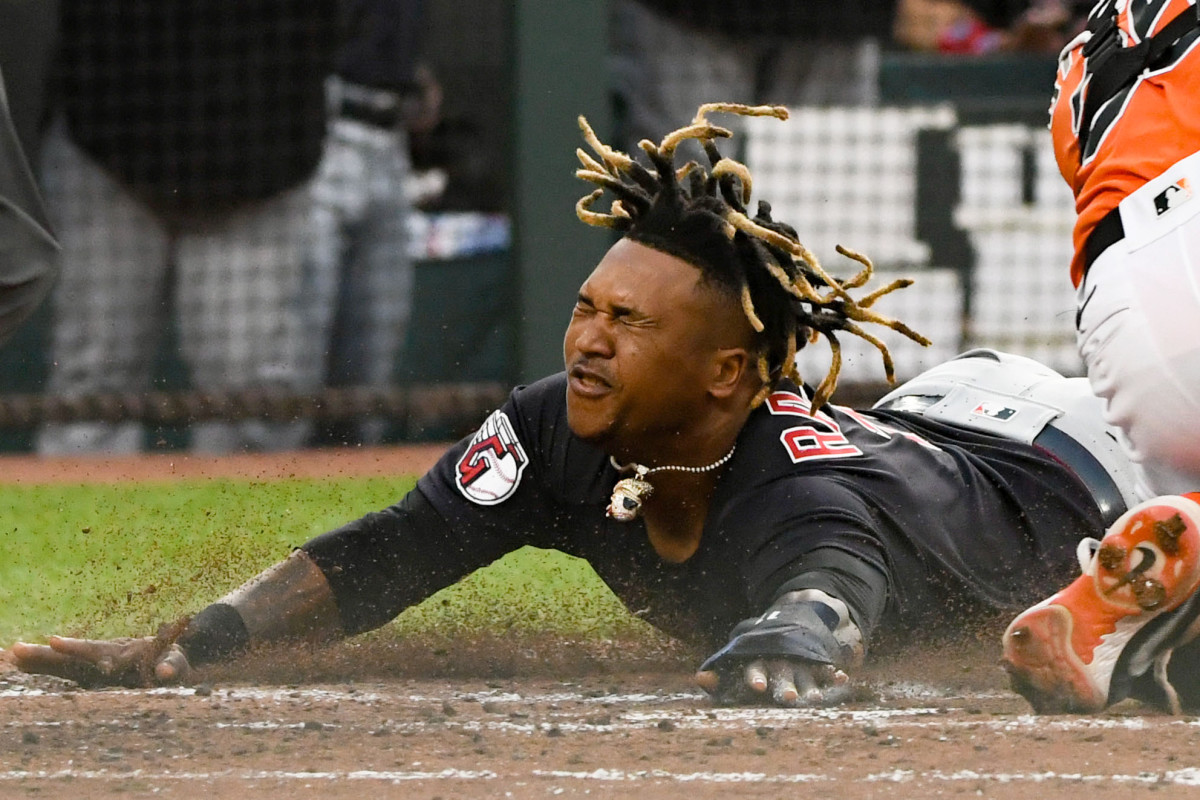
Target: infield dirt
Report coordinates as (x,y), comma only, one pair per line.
(562,719)
(498,717)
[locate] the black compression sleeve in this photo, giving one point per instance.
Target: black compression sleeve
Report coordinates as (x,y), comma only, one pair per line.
(849,578)
(381,564)
(215,634)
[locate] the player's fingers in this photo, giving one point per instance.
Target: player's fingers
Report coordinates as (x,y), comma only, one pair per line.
(838,678)
(782,676)
(755,676)
(708,680)
(42,659)
(834,685)
(809,682)
(87,649)
(23,651)
(173,667)
(35,657)
(105,656)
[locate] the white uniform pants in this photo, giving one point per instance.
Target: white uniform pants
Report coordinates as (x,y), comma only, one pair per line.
(1139,330)
(360,257)
(231,280)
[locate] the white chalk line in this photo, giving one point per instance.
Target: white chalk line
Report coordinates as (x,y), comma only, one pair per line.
(285,696)
(623,712)
(884,721)
(704,718)
(246,775)
(361,695)
(1181,777)
(308,695)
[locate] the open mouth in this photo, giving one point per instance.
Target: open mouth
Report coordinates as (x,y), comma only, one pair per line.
(586,382)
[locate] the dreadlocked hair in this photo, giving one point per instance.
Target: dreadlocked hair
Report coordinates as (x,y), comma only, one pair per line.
(700,215)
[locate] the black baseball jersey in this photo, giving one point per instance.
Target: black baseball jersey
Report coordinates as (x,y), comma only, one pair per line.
(916,520)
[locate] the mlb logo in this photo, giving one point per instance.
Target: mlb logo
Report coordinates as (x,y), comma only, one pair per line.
(1173,196)
(996,411)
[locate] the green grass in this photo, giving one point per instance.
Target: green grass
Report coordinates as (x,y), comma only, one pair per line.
(116,560)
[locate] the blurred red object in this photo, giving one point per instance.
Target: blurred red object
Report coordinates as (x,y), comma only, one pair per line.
(969,37)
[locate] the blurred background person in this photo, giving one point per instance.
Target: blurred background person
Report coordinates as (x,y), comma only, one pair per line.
(980,27)
(177,174)
(28,250)
(669,56)
(363,200)
(28,38)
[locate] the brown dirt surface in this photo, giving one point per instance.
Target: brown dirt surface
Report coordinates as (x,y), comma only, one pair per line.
(350,462)
(530,718)
(368,720)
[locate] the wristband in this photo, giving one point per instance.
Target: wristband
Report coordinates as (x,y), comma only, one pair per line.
(215,634)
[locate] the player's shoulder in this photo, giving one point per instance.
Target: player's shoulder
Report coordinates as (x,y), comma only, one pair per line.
(530,416)
(548,394)
(570,468)
(788,432)
(527,445)
(536,408)
(768,493)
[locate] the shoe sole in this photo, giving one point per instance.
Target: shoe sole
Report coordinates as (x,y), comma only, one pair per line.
(1044,668)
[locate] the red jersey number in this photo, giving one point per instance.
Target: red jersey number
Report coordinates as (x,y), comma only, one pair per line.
(807,443)
(821,438)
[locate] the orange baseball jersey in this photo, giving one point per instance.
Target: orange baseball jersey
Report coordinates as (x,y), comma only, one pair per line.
(1144,129)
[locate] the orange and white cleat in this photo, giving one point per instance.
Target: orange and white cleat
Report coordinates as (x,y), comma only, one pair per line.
(1081,649)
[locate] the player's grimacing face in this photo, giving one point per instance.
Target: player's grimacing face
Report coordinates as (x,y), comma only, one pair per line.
(638,345)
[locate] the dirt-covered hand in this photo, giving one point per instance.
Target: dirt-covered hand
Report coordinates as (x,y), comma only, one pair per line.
(781,681)
(132,662)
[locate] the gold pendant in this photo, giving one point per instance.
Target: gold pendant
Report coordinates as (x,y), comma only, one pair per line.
(627,498)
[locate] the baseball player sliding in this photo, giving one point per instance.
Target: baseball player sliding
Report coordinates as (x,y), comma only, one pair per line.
(682,457)
(1126,129)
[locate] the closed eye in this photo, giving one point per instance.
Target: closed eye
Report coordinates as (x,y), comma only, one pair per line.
(583,306)
(622,314)
(630,317)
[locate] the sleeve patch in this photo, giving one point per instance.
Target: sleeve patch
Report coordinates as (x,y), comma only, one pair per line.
(490,470)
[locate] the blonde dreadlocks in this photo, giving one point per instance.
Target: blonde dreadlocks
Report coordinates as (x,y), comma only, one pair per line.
(700,216)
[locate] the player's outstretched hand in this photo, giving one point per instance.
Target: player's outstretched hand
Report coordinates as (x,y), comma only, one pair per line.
(133,662)
(781,681)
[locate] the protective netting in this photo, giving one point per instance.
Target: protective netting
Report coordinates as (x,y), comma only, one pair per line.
(186,141)
(974,211)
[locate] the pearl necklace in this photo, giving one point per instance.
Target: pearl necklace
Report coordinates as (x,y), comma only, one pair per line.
(629,493)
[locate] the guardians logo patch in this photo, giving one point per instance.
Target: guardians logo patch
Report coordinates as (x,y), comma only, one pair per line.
(490,470)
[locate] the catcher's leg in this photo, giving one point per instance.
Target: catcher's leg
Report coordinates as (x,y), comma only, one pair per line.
(1139,335)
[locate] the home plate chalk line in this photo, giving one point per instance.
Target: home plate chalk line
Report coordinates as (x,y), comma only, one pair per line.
(626,711)
(1181,777)
(629,711)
